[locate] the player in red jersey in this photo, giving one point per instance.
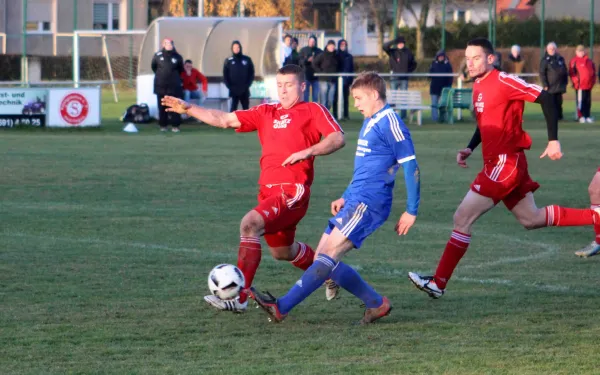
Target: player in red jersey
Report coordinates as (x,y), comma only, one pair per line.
(594,191)
(291,133)
(499,101)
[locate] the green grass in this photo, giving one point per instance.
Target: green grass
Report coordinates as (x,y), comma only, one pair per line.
(108,237)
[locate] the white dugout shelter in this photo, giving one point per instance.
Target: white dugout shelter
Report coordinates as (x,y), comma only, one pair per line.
(207,42)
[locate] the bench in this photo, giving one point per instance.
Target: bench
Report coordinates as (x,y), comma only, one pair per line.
(407,100)
(452,99)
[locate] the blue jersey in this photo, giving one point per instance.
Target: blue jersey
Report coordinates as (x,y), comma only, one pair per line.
(384,144)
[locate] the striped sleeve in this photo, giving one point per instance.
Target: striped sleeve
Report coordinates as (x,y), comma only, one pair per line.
(517,89)
(323,120)
(398,138)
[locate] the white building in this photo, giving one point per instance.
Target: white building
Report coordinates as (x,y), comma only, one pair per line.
(362,36)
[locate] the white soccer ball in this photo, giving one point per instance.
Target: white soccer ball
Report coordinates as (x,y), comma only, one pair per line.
(226,281)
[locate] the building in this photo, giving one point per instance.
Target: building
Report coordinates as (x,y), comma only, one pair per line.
(46,20)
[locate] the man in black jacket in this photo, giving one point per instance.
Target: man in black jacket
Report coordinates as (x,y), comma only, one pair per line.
(238,74)
(307,55)
(554,75)
(401,61)
(167,66)
(346,66)
(327,62)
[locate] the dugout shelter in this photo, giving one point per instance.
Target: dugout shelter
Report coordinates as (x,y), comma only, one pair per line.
(207,42)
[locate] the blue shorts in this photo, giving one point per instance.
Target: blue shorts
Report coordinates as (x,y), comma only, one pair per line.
(357,222)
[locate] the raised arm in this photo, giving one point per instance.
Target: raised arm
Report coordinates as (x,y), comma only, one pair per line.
(328,145)
(212,117)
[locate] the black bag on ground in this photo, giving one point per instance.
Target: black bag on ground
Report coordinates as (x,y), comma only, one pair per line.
(137,113)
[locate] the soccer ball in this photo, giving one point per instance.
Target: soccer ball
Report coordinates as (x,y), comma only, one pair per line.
(226,281)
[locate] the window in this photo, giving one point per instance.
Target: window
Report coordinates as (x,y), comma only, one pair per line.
(38,26)
(106,16)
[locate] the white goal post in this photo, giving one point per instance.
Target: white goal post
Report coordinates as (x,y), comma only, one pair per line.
(118,50)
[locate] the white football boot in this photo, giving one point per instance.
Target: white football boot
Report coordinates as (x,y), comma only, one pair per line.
(426,284)
(331,289)
(589,251)
(232,305)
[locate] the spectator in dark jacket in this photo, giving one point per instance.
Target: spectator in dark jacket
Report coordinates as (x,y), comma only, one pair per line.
(440,65)
(327,62)
(167,66)
(307,55)
(401,61)
(238,74)
(554,76)
(515,62)
(346,66)
(583,74)
(294,57)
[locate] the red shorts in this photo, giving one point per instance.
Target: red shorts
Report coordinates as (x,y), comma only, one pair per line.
(505,178)
(282,206)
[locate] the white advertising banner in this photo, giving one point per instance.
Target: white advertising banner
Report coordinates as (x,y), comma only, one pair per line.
(70,107)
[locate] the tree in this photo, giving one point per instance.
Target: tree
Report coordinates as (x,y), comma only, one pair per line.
(421,22)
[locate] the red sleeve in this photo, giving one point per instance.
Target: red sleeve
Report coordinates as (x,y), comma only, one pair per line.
(204,81)
(517,89)
(323,121)
(250,119)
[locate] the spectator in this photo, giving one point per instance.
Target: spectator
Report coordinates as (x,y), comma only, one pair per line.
(294,57)
(327,62)
(167,66)
(346,66)
(497,60)
(583,76)
(401,61)
(554,76)
(440,65)
(191,77)
(307,55)
(515,61)
(464,71)
(286,48)
(238,74)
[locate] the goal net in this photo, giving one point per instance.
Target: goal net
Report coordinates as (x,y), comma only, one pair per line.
(107,57)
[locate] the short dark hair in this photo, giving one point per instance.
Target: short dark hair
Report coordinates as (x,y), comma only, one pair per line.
(292,69)
(287,36)
(371,81)
(188,61)
(483,43)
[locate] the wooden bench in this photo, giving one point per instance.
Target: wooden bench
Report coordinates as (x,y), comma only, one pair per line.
(411,101)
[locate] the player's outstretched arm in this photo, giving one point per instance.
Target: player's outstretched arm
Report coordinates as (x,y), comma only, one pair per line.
(211,117)
(412,178)
(328,145)
(461,157)
(550,114)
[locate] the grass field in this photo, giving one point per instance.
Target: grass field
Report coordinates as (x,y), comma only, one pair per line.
(108,237)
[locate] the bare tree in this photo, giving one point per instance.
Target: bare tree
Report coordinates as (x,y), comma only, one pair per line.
(421,24)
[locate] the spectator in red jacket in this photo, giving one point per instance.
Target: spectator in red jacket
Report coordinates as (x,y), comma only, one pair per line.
(583,76)
(190,77)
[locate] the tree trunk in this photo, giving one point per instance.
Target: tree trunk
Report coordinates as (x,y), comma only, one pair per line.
(421,23)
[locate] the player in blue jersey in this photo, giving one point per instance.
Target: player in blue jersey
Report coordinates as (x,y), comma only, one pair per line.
(384,144)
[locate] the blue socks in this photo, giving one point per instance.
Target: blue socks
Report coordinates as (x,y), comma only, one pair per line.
(310,281)
(347,277)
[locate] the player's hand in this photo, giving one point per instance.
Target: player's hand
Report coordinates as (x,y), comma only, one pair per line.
(461,157)
(337,205)
(297,156)
(553,151)
(175,104)
(405,223)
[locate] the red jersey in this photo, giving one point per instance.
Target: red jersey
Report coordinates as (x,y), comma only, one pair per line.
(283,132)
(499,101)
(190,82)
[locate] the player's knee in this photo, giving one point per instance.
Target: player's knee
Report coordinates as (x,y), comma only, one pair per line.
(594,192)
(282,253)
(252,224)
(461,220)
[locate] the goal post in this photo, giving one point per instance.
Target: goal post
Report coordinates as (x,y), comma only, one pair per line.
(112,56)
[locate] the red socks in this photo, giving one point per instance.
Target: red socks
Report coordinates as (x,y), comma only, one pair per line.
(557,216)
(249,256)
(596,225)
(454,251)
(305,257)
